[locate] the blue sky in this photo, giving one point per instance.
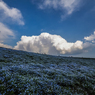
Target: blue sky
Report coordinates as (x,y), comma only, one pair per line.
(73,20)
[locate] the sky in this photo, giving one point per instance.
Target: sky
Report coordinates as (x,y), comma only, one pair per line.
(55,27)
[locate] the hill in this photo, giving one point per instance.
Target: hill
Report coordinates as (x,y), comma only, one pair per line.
(25,73)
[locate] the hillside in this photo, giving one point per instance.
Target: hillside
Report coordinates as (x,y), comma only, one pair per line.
(25,73)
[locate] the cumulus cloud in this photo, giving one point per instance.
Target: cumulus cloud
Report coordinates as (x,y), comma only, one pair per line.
(5,32)
(12,13)
(68,6)
(90,38)
(51,44)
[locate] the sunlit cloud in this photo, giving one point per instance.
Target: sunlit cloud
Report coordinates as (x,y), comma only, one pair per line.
(51,44)
(91,37)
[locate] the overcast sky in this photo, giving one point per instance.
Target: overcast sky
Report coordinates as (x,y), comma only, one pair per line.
(58,27)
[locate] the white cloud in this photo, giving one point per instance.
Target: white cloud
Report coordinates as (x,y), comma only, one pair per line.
(69,6)
(13,13)
(5,46)
(42,29)
(5,32)
(90,38)
(8,13)
(51,44)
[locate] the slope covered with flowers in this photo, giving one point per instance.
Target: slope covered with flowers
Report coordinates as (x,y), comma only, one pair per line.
(25,73)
